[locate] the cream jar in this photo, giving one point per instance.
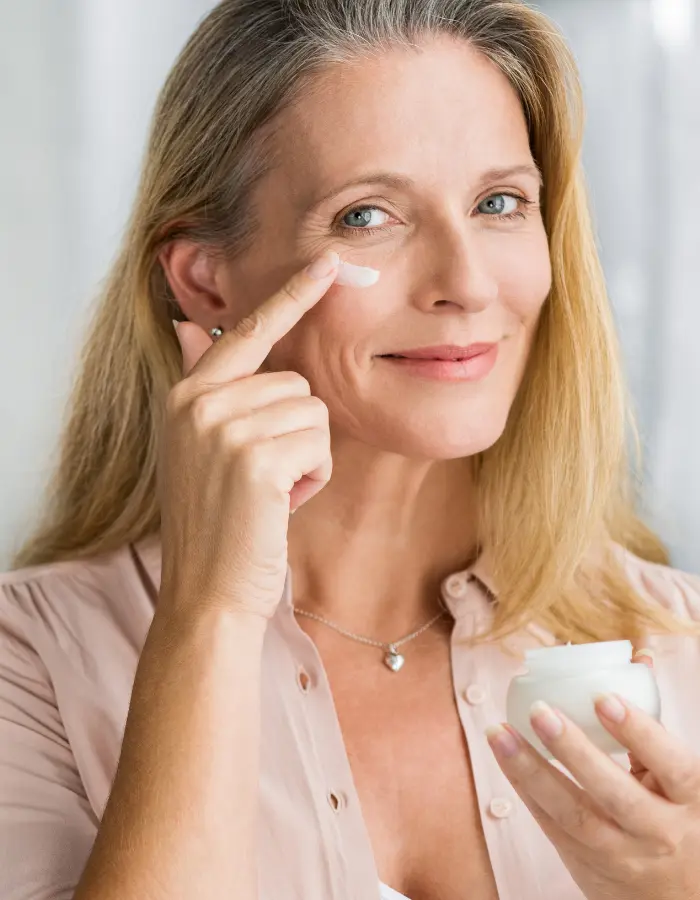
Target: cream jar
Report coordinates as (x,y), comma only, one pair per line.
(568,677)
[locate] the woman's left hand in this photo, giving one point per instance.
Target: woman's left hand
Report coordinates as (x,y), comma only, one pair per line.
(623,835)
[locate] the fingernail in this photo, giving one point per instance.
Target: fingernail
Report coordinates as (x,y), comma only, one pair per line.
(502,741)
(324,266)
(645,652)
(610,707)
(545,720)
(175,323)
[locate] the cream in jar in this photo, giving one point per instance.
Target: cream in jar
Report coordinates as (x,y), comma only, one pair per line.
(568,677)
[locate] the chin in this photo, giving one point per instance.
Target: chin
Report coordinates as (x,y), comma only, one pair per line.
(438,437)
(458,447)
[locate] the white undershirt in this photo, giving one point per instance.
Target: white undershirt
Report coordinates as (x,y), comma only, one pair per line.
(387,893)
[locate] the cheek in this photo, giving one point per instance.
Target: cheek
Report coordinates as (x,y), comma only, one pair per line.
(347,314)
(350,317)
(336,334)
(526,281)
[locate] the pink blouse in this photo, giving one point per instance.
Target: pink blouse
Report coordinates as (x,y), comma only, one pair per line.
(70,638)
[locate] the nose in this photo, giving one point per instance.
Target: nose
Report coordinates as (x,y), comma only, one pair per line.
(457,271)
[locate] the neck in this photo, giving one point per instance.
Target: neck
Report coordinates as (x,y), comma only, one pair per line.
(370,550)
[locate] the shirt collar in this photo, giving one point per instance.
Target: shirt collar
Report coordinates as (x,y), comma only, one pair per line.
(457,588)
(481,572)
(469,592)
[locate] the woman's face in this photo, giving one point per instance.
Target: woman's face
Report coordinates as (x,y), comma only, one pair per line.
(416,164)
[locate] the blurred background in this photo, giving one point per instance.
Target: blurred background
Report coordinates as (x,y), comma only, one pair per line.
(78,80)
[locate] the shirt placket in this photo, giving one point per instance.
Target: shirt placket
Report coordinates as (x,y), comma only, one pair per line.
(481,675)
(353,870)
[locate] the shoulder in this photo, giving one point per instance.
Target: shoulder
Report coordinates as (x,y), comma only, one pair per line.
(76,606)
(71,634)
(673,589)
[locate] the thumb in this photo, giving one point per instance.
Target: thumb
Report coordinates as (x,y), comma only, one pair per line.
(645,657)
(194,342)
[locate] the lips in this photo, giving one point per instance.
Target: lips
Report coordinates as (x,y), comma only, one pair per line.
(444,353)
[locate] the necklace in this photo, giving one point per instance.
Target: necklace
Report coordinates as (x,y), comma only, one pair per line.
(392,658)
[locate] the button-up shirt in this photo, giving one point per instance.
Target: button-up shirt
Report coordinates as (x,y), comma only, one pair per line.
(70,638)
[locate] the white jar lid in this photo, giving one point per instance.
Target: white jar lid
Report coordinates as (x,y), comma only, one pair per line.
(596,655)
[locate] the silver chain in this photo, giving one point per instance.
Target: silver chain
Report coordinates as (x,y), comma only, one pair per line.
(364,640)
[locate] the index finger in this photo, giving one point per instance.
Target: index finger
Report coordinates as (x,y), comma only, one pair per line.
(241,351)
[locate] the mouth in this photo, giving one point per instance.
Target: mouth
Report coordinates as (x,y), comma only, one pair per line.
(447,363)
(445,353)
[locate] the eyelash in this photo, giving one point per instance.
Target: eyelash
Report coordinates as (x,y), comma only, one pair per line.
(518,214)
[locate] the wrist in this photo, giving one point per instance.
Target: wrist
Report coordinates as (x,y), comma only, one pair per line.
(179,618)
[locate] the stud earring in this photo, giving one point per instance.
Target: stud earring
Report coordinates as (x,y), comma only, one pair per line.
(216,333)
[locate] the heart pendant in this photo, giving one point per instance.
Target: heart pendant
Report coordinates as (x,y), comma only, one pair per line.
(394,660)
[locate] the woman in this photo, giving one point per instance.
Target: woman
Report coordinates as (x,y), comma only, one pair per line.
(202,696)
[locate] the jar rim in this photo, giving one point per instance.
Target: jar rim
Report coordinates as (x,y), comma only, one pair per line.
(579,656)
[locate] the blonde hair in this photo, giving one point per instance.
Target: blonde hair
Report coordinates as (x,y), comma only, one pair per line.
(555,485)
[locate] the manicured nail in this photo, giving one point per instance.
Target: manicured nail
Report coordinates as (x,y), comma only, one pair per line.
(175,323)
(609,706)
(502,741)
(645,652)
(545,721)
(324,266)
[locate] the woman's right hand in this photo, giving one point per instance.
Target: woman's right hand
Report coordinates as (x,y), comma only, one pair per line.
(239,451)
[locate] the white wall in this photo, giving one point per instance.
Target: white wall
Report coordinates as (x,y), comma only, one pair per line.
(78,79)
(640,68)
(39,263)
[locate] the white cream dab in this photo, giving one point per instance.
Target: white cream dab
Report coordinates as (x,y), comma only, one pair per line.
(356,276)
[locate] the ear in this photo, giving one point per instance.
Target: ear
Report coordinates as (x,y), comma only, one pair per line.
(195,278)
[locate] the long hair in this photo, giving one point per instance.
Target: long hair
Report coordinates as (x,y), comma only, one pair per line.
(556,484)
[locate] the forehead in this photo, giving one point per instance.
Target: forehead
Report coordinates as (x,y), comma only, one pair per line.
(435,109)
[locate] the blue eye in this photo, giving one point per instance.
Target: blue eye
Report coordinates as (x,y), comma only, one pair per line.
(496,206)
(361,217)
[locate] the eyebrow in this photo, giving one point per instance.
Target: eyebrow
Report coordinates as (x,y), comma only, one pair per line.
(401,183)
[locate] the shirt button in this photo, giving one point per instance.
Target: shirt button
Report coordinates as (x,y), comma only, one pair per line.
(500,808)
(303,681)
(475,694)
(456,586)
